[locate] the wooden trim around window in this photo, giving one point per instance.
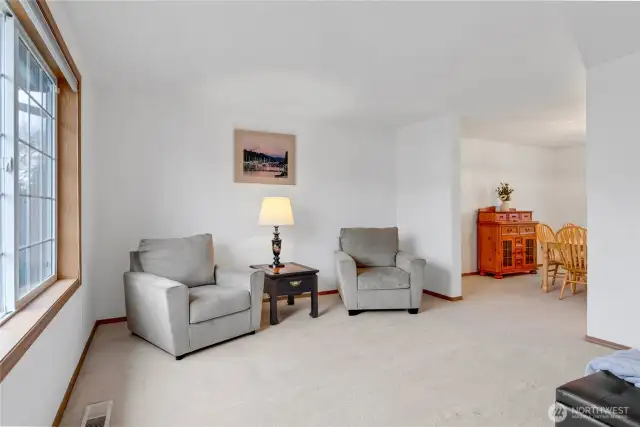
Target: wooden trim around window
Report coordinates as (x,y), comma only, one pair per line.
(69,262)
(22,330)
(35,293)
(30,29)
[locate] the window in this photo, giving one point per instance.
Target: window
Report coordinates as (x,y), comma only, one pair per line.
(28,184)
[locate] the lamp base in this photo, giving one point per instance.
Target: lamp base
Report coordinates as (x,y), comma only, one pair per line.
(276,247)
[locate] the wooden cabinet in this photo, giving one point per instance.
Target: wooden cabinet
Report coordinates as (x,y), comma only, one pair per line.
(506,242)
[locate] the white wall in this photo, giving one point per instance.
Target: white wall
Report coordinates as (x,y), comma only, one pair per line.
(548,181)
(613,202)
(162,166)
(33,390)
(571,176)
(428,199)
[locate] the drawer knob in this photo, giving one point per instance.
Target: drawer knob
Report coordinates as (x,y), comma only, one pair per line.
(295,282)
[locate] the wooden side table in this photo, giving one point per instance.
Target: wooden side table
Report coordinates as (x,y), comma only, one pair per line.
(290,280)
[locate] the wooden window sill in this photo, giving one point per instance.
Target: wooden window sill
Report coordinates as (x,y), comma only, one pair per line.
(20,331)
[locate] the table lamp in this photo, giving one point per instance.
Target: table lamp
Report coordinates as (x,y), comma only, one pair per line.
(276,211)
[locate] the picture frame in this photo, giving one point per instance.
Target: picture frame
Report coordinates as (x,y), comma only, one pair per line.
(264,157)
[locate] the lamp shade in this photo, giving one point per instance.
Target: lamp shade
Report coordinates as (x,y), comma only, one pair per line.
(276,211)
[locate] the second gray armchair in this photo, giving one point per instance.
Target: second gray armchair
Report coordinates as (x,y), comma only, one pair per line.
(373,274)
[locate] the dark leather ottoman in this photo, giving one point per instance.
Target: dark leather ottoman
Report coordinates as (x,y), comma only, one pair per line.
(598,400)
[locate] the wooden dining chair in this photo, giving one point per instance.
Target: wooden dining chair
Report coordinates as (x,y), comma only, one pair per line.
(572,244)
(547,239)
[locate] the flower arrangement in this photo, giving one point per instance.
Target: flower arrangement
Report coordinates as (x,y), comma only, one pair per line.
(504,192)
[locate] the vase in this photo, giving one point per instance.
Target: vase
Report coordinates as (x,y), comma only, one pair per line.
(505,206)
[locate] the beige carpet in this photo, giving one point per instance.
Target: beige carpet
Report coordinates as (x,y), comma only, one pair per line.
(491,360)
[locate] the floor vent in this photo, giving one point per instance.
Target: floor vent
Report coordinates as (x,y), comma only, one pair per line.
(97,415)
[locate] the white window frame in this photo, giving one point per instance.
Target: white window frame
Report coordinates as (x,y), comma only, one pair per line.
(11,34)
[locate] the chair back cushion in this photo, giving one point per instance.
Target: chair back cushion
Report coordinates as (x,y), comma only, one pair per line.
(134,262)
(188,260)
(370,247)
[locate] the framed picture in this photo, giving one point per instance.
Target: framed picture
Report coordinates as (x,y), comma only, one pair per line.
(264,157)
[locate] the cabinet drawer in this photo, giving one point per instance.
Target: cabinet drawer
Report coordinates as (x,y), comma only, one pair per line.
(514,217)
(294,285)
(525,216)
(501,217)
(509,229)
(527,229)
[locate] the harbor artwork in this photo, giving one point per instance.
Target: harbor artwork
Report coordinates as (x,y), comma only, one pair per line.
(264,157)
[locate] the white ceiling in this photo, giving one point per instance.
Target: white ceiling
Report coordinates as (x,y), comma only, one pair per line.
(513,70)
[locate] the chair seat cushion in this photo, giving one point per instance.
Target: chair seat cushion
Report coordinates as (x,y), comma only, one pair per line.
(373,278)
(212,301)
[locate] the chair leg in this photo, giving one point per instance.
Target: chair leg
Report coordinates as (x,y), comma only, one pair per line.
(555,273)
(573,286)
(564,284)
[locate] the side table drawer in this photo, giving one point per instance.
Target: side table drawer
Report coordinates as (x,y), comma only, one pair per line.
(295,285)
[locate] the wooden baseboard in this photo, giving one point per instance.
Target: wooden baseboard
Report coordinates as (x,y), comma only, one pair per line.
(444,297)
(605,343)
(72,382)
(111,320)
(333,291)
(76,372)
(472,273)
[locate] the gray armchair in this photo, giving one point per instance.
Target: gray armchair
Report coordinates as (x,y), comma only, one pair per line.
(373,274)
(177,299)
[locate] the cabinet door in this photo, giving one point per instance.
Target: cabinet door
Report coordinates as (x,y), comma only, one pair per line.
(508,253)
(530,252)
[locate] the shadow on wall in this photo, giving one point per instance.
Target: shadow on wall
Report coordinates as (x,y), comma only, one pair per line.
(469,241)
(408,244)
(223,256)
(437,279)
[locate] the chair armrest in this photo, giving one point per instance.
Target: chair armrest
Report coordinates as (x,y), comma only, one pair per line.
(415,267)
(347,277)
(158,311)
(250,279)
